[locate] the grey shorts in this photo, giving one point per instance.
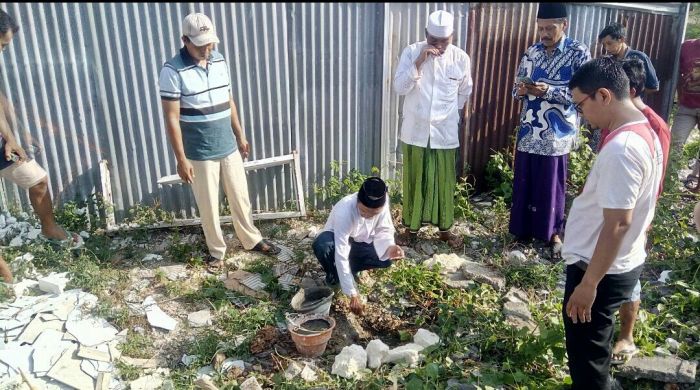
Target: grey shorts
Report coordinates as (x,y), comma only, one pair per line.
(636,293)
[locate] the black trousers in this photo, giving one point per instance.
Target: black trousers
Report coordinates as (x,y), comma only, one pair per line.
(362,255)
(588,345)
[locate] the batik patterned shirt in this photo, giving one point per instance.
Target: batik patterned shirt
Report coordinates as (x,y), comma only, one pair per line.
(549,124)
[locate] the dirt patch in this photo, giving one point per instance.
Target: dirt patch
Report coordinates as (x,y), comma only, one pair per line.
(264,339)
(375,318)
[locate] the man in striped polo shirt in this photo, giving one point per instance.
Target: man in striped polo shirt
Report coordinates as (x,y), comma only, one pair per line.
(201,119)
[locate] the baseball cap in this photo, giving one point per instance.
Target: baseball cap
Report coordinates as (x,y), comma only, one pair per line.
(199,29)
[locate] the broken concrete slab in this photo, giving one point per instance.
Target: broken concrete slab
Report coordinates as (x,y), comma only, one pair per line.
(234,282)
(425,338)
(17,357)
(143,363)
(89,329)
(147,382)
(663,369)
(251,384)
(376,353)
(206,372)
(409,353)
(157,317)
(67,370)
(231,363)
(187,360)
(175,272)
(517,258)
(427,248)
(199,319)
(457,280)
(447,262)
(36,327)
(102,354)
(94,367)
(349,362)
(54,283)
(308,374)
(518,315)
(516,295)
(483,274)
(253,281)
(152,257)
(23,286)
(8,312)
(103,381)
(287,281)
(293,369)
(43,358)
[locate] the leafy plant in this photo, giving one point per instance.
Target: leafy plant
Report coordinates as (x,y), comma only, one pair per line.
(463,206)
(337,187)
(144,215)
(73,216)
(499,175)
(580,162)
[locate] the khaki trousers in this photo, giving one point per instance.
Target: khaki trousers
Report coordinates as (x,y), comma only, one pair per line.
(206,193)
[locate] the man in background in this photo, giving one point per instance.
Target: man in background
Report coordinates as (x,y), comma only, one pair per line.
(435,76)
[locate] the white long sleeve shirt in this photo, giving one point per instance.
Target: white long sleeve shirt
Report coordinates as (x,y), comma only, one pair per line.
(345,221)
(434,95)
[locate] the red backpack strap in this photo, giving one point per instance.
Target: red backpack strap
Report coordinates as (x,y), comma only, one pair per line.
(647,136)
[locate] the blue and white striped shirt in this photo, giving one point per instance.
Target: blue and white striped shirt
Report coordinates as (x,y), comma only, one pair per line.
(205,111)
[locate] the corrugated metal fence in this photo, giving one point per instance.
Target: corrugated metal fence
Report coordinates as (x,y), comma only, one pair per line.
(500,34)
(316,78)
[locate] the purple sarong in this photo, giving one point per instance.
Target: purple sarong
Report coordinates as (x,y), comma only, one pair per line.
(539,193)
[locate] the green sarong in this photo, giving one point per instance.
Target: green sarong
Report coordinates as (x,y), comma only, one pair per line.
(429,179)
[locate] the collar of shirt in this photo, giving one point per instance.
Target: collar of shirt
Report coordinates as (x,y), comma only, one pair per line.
(560,46)
(188,60)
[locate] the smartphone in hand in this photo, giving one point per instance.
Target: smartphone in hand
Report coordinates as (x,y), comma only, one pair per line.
(526,80)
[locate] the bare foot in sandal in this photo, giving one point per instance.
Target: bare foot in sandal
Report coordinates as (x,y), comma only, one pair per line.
(213,264)
(623,351)
(555,247)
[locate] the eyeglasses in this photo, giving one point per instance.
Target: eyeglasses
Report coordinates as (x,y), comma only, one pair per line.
(577,106)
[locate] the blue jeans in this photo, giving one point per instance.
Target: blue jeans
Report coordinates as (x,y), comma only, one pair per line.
(362,256)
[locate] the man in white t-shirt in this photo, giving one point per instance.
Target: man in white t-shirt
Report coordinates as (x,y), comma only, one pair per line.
(605,232)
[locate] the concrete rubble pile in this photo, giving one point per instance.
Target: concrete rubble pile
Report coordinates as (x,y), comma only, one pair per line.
(353,359)
(52,341)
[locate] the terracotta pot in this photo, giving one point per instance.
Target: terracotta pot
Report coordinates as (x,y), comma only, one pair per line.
(311,342)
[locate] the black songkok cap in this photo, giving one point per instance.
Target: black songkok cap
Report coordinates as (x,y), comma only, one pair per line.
(372,193)
(552,11)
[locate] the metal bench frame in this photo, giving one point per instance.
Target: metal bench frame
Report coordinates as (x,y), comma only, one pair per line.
(291,159)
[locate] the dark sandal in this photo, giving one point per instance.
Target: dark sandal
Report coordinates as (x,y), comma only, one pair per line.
(214,265)
(272,249)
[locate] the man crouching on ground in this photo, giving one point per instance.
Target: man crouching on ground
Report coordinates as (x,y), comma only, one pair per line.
(358,236)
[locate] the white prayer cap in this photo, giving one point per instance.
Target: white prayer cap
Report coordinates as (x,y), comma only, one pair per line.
(440,24)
